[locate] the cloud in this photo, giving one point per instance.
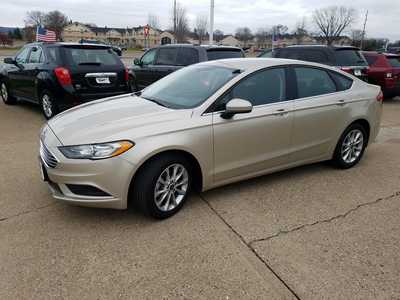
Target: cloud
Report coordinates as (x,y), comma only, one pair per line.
(229,14)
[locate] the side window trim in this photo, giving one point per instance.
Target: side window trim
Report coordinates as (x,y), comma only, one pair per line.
(211,108)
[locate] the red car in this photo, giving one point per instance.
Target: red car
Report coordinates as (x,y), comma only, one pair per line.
(384,71)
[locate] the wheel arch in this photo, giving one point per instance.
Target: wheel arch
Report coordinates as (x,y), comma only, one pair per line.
(365,124)
(197,169)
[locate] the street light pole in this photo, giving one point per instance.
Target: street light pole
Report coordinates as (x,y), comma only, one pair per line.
(212,22)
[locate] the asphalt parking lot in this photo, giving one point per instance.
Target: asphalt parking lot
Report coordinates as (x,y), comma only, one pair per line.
(312,233)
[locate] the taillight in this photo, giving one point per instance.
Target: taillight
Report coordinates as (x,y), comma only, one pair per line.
(347,70)
(126,74)
(63,76)
(379,98)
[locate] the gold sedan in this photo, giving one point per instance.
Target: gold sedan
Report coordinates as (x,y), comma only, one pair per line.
(205,126)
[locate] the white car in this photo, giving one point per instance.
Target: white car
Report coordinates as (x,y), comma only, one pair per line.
(205,126)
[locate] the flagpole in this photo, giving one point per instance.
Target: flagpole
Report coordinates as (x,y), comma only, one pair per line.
(211,22)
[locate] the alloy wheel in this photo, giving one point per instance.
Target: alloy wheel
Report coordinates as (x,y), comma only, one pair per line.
(352,146)
(4,92)
(47,106)
(171,187)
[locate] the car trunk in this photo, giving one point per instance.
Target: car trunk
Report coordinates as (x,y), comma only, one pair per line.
(95,71)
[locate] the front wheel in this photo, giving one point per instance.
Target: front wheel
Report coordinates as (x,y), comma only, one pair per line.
(5,94)
(49,107)
(351,147)
(162,186)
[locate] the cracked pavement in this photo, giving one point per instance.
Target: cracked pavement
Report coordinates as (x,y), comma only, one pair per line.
(309,233)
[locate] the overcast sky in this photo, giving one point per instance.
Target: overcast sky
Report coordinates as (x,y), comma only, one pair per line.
(383,19)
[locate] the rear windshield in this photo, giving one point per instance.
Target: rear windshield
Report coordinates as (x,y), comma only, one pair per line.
(350,57)
(91,56)
(394,61)
(214,54)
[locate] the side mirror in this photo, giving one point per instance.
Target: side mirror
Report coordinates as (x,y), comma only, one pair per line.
(9,60)
(137,62)
(236,106)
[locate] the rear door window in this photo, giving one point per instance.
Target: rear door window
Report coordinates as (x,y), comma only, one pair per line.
(342,82)
(36,56)
(314,56)
(394,61)
(187,56)
(349,57)
(91,56)
(167,56)
(214,54)
(313,82)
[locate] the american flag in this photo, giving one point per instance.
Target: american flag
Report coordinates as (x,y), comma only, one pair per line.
(44,35)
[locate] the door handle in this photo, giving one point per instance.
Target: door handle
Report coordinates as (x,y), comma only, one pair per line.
(280,112)
(341,103)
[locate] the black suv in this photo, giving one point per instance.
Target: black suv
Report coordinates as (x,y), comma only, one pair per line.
(347,58)
(61,75)
(161,61)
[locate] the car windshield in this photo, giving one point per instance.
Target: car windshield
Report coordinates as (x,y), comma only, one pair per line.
(214,54)
(188,87)
(350,57)
(394,61)
(90,56)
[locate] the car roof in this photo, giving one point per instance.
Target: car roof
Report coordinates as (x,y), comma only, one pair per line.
(335,47)
(253,64)
(375,53)
(65,44)
(199,46)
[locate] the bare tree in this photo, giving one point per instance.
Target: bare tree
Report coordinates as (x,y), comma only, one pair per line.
(34,18)
(244,35)
(180,22)
(56,21)
(153,21)
(356,37)
(261,36)
(332,21)
(218,35)
(201,27)
(300,31)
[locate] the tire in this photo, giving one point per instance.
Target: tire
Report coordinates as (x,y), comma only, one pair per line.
(132,84)
(48,105)
(355,140)
(5,94)
(155,198)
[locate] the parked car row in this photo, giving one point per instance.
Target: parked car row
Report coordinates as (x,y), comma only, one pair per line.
(172,135)
(382,69)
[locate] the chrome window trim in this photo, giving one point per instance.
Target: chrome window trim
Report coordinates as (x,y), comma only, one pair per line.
(106,74)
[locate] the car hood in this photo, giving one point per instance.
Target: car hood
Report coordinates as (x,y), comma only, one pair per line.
(123,117)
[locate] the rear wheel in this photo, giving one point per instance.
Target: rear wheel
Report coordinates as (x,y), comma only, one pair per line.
(351,147)
(5,94)
(49,107)
(162,186)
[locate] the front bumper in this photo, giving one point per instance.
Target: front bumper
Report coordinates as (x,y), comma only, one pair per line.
(111,176)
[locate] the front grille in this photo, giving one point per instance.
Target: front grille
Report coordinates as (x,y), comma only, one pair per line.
(47,157)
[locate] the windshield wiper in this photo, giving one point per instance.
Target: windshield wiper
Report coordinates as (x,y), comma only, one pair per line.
(90,63)
(155,101)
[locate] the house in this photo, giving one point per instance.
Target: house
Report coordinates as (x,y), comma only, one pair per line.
(230,40)
(129,37)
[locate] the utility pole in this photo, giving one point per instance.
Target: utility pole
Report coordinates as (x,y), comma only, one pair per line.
(363,32)
(212,22)
(175,21)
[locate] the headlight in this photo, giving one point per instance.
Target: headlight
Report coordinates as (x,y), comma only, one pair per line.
(96,151)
